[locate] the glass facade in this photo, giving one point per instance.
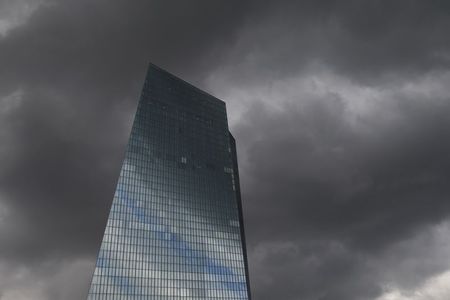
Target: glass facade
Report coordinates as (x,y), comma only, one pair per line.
(175,227)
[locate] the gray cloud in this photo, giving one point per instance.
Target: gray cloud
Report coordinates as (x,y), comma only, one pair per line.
(339,109)
(366,41)
(331,174)
(315,181)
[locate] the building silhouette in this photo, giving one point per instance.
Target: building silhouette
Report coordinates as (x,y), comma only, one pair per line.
(175,228)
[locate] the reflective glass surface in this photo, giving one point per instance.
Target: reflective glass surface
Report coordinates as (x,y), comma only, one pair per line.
(175,226)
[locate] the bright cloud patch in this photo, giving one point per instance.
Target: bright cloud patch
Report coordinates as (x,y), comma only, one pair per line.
(14,13)
(435,288)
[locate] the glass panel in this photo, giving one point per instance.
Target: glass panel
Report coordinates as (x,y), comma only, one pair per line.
(175,226)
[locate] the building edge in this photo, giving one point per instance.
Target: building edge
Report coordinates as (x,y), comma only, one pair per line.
(239,204)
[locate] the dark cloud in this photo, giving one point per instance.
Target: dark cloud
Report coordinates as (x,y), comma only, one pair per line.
(314,181)
(64,167)
(335,179)
(338,200)
(368,42)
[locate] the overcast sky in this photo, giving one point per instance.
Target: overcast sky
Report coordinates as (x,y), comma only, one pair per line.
(340,109)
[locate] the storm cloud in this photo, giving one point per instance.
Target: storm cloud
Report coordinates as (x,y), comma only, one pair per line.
(339,108)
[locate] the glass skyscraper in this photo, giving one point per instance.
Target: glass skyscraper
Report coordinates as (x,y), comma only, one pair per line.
(175,227)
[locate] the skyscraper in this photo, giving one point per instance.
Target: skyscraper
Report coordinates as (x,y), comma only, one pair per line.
(175,227)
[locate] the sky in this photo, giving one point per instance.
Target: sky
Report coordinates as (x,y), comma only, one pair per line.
(340,110)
